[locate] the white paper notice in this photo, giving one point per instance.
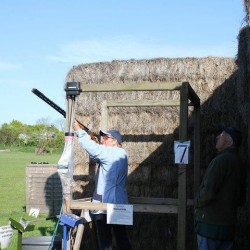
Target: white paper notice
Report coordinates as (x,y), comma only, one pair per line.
(34,212)
(181,150)
(120,214)
(6,233)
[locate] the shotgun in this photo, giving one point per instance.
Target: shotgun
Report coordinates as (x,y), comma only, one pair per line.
(93,135)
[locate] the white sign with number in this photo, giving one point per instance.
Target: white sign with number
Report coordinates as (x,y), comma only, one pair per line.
(120,214)
(6,233)
(181,150)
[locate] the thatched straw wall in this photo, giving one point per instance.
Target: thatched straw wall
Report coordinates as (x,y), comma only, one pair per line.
(247,10)
(243,105)
(149,132)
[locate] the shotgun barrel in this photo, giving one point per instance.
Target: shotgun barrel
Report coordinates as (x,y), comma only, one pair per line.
(51,103)
(93,135)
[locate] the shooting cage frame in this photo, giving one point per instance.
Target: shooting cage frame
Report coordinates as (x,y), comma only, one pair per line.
(178,206)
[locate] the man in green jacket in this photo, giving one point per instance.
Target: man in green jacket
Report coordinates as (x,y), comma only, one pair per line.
(220,194)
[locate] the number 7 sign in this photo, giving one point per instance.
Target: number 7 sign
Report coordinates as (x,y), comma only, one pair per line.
(181,150)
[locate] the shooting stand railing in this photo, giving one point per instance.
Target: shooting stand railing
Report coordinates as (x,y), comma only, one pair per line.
(156,205)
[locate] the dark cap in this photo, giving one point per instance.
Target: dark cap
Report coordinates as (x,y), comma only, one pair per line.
(113,133)
(235,135)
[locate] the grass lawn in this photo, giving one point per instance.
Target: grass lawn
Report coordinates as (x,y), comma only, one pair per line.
(13,189)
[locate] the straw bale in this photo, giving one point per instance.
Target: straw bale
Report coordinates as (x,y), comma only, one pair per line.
(247,9)
(149,132)
(243,105)
(204,74)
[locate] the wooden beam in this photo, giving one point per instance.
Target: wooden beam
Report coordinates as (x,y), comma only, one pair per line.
(196,149)
(143,103)
(140,86)
(138,208)
(79,234)
(196,158)
(182,178)
(193,97)
(165,209)
(157,201)
(104,115)
(76,204)
(188,97)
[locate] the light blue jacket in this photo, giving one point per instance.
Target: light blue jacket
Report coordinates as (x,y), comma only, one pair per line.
(112,173)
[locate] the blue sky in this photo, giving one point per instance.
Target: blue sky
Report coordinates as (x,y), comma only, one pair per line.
(42,40)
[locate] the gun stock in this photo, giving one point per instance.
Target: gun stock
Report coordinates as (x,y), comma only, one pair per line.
(93,135)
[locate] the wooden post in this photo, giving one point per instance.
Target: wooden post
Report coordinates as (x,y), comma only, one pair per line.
(196,159)
(79,234)
(196,149)
(104,115)
(182,197)
(186,94)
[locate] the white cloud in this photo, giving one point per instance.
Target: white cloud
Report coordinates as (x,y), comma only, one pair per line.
(124,48)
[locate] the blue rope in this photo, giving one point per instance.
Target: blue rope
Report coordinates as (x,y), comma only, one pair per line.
(55,231)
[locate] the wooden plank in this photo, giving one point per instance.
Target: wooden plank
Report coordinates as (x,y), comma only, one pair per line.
(39,178)
(143,103)
(85,199)
(40,171)
(182,196)
(75,204)
(148,208)
(79,234)
(140,208)
(39,183)
(43,174)
(43,187)
(43,182)
(141,86)
(196,149)
(193,96)
(43,198)
(40,187)
(157,201)
(196,157)
(104,115)
(43,208)
(40,193)
(40,202)
(41,167)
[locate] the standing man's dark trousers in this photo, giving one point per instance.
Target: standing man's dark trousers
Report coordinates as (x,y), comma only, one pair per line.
(105,231)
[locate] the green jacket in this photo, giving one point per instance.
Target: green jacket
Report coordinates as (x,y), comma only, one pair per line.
(220,192)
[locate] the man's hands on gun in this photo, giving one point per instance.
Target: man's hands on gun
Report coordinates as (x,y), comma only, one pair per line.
(77,125)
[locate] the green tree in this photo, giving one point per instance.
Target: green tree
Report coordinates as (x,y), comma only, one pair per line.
(40,135)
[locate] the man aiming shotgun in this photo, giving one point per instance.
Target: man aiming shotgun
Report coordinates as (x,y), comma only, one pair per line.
(111,176)
(65,164)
